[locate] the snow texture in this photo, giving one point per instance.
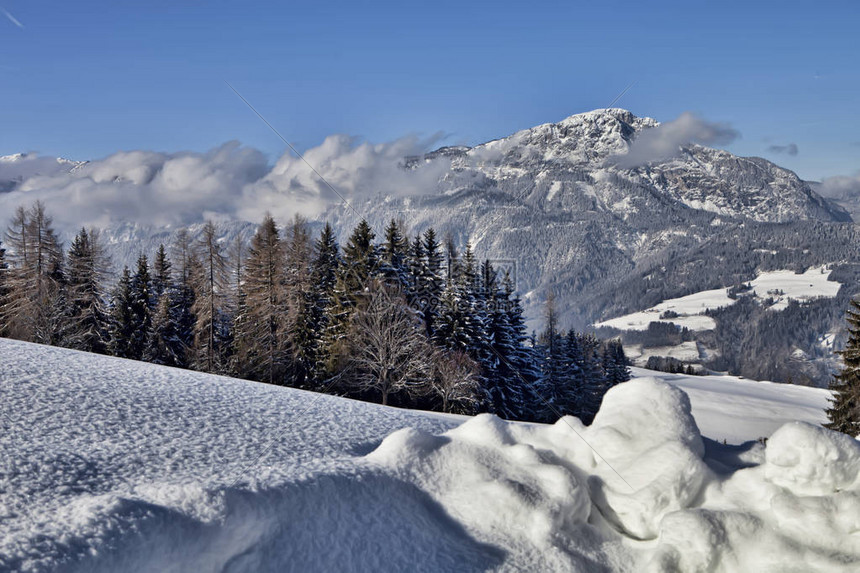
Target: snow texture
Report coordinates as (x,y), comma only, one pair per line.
(113,465)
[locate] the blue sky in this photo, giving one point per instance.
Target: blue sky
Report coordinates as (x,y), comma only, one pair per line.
(84,79)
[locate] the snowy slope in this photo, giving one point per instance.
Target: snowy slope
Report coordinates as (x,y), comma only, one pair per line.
(780,286)
(112,465)
(738,410)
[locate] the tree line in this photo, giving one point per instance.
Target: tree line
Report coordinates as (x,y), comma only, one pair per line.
(413,322)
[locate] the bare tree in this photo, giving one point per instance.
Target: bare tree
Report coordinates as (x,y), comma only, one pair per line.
(35,257)
(388,350)
(209,283)
(455,381)
(260,339)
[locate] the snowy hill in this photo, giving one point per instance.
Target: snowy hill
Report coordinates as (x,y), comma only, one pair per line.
(112,465)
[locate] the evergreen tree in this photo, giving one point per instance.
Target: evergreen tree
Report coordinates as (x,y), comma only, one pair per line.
(432,279)
(122,318)
(301,301)
(140,306)
(4,290)
(506,389)
(87,265)
(521,357)
(844,411)
(360,264)
(160,273)
(394,255)
(557,387)
(615,365)
(594,381)
(164,345)
(324,273)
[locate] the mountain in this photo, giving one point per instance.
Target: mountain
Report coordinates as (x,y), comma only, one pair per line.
(554,202)
(560,206)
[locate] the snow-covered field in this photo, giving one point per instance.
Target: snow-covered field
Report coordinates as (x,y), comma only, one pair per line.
(738,410)
(781,286)
(112,465)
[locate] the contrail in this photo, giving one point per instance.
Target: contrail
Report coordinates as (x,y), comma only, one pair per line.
(12,18)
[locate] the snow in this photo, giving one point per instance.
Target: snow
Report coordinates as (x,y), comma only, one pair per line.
(812,284)
(687,352)
(738,410)
(112,465)
(782,286)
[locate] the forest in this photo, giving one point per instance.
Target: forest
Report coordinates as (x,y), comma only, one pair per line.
(413,322)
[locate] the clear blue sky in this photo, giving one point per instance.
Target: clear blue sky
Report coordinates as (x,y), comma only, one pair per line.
(84,79)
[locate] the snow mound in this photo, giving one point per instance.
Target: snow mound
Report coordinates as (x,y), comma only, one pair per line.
(810,460)
(634,491)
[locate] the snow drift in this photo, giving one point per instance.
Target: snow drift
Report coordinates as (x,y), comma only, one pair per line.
(109,465)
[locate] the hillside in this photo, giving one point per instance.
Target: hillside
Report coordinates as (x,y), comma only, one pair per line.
(110,465)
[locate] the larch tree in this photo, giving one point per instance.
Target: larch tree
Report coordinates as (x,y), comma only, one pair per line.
(34,277)
(260,342)
(209,282)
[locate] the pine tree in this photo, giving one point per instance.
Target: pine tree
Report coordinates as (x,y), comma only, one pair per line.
(324,273)
(521,357)
(4,290)
(844,411)
(359,264)
(87,266)
(141,307)
(615,365)
(432,279)
(557,386)
(594,380)
(160,273)
(301,302)
(504,385)
(394,255)
(164,345)
(122,318)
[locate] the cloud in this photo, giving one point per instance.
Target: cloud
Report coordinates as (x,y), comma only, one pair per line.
(839,186)
(666,140)
(789,149)
(351,170)
(227,182)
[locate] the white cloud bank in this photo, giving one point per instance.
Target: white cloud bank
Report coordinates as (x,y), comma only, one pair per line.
(228,182)
(840,186)
(665,141)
